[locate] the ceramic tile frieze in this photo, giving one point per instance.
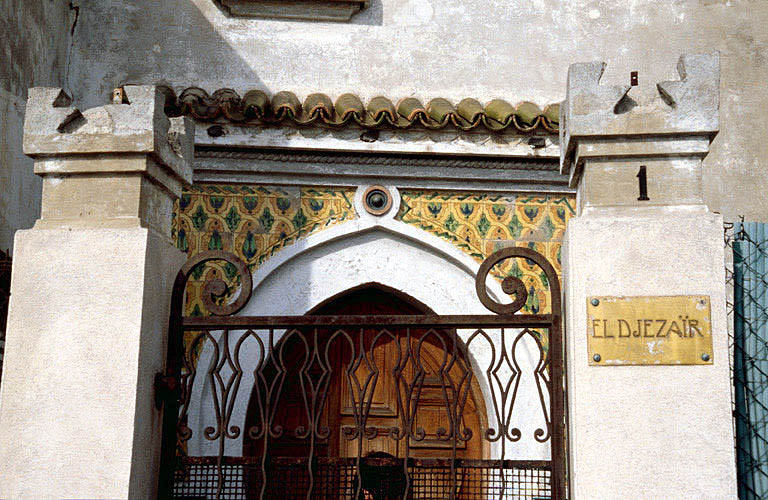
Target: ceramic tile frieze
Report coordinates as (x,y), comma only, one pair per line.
(479,224)
(253,222)
(256,222)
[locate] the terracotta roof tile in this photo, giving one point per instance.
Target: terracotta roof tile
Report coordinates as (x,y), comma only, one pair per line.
(256,107)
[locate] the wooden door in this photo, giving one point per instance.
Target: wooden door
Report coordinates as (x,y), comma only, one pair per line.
(391,352)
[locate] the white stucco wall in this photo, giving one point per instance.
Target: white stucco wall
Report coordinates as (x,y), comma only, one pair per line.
(450,48)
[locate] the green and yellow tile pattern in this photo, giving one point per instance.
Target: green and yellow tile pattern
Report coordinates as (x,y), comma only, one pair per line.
(253,222)
(256,222)
(480,224)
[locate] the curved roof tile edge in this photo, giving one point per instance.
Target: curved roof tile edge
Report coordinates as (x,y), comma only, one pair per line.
(257,108)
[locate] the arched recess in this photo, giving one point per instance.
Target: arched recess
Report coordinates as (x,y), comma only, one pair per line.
(434,351)
(396,255)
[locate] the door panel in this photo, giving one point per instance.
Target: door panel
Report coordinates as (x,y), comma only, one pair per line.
(417,356)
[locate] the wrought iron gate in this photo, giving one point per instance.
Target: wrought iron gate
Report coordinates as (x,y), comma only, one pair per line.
(267,387)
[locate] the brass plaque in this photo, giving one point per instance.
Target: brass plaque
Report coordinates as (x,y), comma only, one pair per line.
(671,330)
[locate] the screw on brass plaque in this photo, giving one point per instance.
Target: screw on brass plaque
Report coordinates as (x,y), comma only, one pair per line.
(595,302)
(597,358)
(705,357)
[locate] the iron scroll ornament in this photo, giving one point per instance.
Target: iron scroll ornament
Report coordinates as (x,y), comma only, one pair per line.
(512,285)
(217,288)
(169,386)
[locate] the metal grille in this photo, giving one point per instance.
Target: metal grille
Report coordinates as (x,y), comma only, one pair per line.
(296,395)
(748,307)
(334,479)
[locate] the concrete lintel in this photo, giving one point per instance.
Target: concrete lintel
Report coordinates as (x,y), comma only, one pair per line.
(354,174)
(359,140)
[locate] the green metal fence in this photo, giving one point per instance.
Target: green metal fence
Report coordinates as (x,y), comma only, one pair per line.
(748,308)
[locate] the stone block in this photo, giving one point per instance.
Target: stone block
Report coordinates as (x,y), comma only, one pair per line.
(86,334)
(111,166)
(93,200)
(674,182)
(53,127)
(614,121)
(623,419)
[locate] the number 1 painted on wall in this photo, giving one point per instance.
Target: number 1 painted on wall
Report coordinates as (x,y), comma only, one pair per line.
(642,180)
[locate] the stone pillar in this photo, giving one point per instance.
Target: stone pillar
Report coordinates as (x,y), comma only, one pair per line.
(90,298)
(659,428)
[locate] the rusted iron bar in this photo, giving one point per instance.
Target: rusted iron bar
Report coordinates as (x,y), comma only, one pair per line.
(446,321)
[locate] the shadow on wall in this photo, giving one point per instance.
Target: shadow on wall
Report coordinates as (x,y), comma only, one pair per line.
(111,31)
(133,34)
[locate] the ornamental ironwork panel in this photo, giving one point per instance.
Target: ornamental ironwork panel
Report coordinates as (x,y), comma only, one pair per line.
(362,406)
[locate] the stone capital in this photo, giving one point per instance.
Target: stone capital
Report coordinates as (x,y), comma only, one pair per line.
(116,165)
(630,125)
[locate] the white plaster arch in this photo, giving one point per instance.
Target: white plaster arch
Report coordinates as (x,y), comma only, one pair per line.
(364,250)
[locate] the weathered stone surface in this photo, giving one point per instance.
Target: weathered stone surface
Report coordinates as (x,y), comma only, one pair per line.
(86,334)
(628,424)
(644,230)
(117,165)
(611,184)
(134,199)
(36,37)
(99,265)
(686,106)
(610,132)
(53,127)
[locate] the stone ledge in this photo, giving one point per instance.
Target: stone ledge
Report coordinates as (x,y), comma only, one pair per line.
(118,165)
